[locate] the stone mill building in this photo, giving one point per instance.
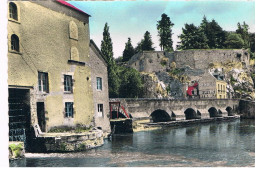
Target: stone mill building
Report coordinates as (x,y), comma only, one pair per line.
(51,79)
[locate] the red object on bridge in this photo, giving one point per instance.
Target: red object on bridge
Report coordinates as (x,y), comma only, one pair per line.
(191,88)
(118,105)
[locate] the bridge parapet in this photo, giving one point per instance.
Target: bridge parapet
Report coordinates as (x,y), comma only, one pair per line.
(178,109)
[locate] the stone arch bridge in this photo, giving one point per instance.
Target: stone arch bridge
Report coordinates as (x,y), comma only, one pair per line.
(162,110)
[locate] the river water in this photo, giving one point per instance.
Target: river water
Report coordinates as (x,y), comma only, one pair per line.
(219,144)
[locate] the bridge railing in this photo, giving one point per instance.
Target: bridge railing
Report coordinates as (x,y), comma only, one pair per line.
(172,99)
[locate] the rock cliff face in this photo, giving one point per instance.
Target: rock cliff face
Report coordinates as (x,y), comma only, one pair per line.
(172,79)
(239,79)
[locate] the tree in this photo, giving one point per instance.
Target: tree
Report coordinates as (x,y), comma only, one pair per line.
(128,51)
(234,40)
(145,44)
(243,31)
(107,51)
(113,80)
(252,45)
(107,45)
(164,27)
(131,83)
(192,37)
(252,42)
(138,48)
(215,34)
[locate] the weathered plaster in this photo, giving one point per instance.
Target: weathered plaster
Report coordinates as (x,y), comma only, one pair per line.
(45,46)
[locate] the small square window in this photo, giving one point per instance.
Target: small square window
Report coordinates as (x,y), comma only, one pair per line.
(43,84)
(69,109)
(68,83)
(99,83)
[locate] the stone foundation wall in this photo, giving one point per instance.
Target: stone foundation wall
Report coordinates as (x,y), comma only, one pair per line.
(69,142)
(247,109)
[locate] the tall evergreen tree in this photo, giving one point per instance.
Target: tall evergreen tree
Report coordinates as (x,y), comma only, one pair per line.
(107,51)
(146,44)
(215,34)
(192,37)
(138,48)
(128,51)
(106,44)
(164,27)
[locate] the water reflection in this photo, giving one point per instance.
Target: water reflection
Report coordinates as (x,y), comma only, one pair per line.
(213,144)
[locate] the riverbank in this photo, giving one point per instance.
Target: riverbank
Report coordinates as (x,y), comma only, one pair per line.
(144,125)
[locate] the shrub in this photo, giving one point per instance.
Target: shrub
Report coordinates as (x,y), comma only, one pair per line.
(164,61)
(16,149)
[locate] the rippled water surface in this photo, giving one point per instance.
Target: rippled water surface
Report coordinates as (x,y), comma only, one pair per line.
(215,144)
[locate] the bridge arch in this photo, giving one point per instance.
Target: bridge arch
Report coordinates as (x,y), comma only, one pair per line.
(213,112)
(160,116)
(191,114)
(173,116)
(230,111)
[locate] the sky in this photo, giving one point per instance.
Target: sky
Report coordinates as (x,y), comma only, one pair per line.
(133,18)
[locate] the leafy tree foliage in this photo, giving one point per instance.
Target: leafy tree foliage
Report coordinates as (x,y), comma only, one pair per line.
(106,44)
(122,82)
(234,40)
(243,31)
(128,51)
(192,37)
(252,45)
(252,42)
(248,38)
(215,37)
(164,27)
(131,83)
(113,79)
(215,34)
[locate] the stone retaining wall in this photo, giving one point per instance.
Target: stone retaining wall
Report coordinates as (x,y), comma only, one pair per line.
(69,142)
(190,122)
(247,109)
